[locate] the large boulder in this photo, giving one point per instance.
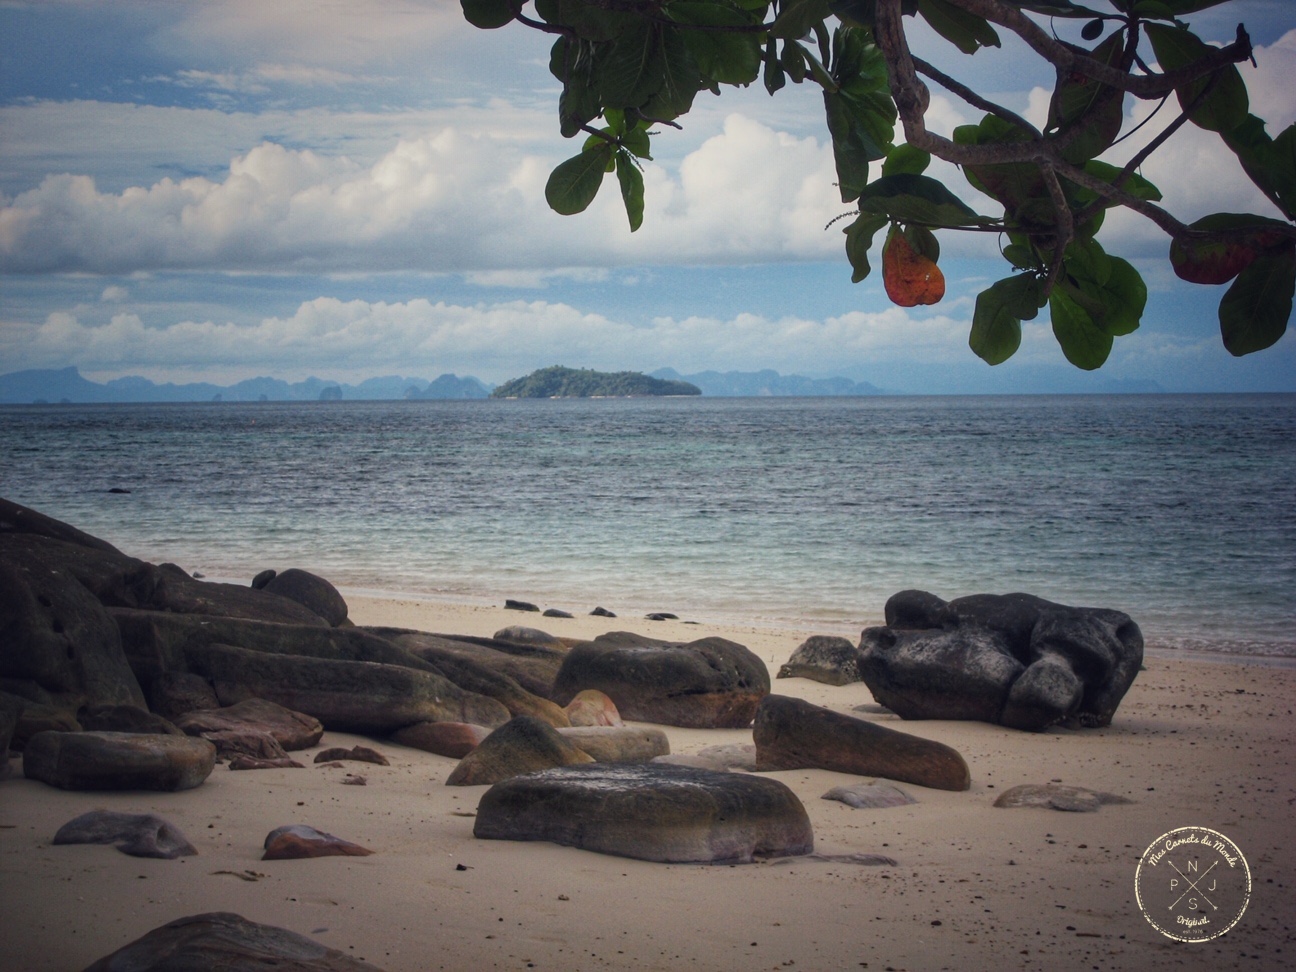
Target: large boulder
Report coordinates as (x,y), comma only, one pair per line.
(706,684)
(453,739)
(291,730)
(522,745)
(651,812)
(346,696)
(117,761)
(225,941)
(311,591)
(16,519)
(794,734)
(1014,659)
(531,662)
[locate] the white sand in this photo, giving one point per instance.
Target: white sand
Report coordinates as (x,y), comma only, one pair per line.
(976,887)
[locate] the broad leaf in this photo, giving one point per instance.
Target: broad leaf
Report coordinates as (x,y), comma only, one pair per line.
(774,76)
(909,277)
(488,14)
(680,78)
(1083,343)
(1095,110)
(587,21)
(629,71)
(1254,311)
(859,239)
(1219,262)
(996,321)
(905,159)
(632,188)
(726,57)
(966,31)
(918,199)
(1226,106)
(574,184)
(1270,162)
(798,17)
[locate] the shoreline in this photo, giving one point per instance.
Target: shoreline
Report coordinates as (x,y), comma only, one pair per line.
(1194,743)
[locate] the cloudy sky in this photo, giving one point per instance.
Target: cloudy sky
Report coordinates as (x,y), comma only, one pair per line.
(219,189)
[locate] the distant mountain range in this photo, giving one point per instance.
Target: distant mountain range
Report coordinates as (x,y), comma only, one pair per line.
(767,383)
(67,385)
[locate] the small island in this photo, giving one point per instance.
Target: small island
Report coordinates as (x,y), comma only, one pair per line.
(560,382)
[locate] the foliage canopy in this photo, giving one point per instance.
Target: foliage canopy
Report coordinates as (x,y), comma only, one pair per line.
(627,66)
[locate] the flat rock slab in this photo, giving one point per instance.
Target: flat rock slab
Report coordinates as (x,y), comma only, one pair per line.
(652,812)
(794,734)
(298,841)
(870,796)
(1056,797)
(524,744)
(117,761)
(136,834)
(619,744)
(225,941)
(453,739)
(707,684)
(291,730)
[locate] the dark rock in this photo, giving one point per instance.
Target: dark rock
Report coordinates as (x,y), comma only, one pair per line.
(823,658)
(311,591)
(593,708)
(662,616)
(136,834)
(124,718)
(453,739)
(119,490)
(1055,797)
(486,670)
(619,744)
(34,717)
(265,577)
(362,754)
(521,745)
(117,761)
(224,942)
(517,634)
(793,734)
(710,684)
(258,762)
(345,696)
(253,743)
(1013,659)
(600,612)
(173,693)
(651,812)
(9,709)
(290,730)
(557,613)
(21,520)
(297,841)
(513,605)
(870,796)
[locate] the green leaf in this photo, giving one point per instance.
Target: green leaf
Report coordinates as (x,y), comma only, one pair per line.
(637,142)
(1227,104)
(1096,110)
(726,57)
(1109,290)
(774,76)
(798,17)
(923,242)
(1134,184)
(574,184)
(905,159)
(862,124)
(680,78)
(1083,343)
(1125,295)
(1255,310)
(996,321)
(859,239)
(966,31)
(629,71)
(488,14)
(1270,162)
(632,188)
(918,199)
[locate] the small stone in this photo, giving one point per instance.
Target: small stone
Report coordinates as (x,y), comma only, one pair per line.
(361,754)
(513,605)
(297,841)
(136,834)
(870,795)
(557,613)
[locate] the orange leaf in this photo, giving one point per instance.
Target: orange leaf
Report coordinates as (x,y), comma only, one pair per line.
(909,277)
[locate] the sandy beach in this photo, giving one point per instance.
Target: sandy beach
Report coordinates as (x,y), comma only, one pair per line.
(1194,742)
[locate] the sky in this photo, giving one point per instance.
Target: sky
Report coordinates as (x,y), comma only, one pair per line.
(212,190)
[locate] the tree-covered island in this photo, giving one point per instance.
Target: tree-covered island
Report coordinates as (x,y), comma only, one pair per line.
(560,382)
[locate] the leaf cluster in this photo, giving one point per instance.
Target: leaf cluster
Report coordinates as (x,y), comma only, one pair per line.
(630,67)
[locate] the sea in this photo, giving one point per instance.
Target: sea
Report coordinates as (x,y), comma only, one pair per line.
(799,512)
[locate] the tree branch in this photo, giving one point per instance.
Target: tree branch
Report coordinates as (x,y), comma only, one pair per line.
(974,99)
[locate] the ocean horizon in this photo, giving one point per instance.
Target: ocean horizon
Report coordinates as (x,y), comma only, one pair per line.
(799,512)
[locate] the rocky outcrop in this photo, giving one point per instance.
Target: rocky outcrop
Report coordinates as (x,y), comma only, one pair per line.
(651,812)
(530,658)
(522,745)
(1013,659)
(824,658)
(311,591)
(619,744)
(220,940)
(136,834)
(117,761)
(794,734)
(706,684)
(125,718)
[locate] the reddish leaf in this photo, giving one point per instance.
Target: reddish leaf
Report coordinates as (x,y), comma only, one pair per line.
(1218,263)
(909,277)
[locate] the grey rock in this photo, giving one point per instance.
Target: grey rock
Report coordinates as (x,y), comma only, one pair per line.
(870,796)
(125,718)
(824,658)
(618,744)
(651,812)
(1052,796)
(311,591)
(740,756)
(225,942)
(173,693)
(521,745)
(514,605)
(136,834)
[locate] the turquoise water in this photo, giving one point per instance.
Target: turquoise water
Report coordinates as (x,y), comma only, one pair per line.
(1180,510)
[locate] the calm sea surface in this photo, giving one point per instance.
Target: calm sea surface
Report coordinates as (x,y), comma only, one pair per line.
(1179,510)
